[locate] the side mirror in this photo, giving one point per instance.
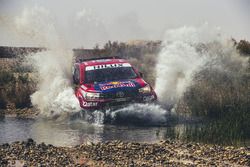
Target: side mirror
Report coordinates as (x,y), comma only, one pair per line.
(141,74)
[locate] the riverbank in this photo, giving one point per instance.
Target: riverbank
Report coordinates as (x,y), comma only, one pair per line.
(19,113)
(117,153)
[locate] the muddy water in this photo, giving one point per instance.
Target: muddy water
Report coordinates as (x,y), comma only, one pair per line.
(74,132)
(70,133)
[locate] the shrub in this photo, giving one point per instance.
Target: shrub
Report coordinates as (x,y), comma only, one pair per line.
(6,77)
(22,69)
(2,101)
(23,78)
(217,94)
(244,47)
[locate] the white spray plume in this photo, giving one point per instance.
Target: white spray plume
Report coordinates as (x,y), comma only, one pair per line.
(180,59)
(151,113)
(55,94)
(177,62)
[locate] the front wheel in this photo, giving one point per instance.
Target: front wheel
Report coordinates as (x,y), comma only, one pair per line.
(86,115)
(95,117)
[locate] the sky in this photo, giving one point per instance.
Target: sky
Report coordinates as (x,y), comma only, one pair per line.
(85,23)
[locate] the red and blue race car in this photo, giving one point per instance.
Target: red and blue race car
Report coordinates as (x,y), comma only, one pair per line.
(104,83)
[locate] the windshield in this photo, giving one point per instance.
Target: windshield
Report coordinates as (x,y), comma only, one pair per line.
(109,74)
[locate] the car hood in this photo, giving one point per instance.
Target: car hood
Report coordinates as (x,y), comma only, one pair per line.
(119,85)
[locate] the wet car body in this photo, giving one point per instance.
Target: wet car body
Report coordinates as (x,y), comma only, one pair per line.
(107,83)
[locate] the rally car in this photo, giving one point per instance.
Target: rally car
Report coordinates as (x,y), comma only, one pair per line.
(109,82)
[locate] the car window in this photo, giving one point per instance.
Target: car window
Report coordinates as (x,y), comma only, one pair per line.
(109,74)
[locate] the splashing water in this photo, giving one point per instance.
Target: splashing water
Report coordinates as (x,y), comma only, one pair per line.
(98,117)
(177,64)
(54,93)
(186,51)
(140,114)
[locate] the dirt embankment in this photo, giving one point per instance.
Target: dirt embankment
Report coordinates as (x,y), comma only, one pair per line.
(117,153)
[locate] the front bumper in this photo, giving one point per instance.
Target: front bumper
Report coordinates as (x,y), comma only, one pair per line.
(103,104)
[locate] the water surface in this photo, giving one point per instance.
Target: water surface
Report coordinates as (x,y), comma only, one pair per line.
(77,131)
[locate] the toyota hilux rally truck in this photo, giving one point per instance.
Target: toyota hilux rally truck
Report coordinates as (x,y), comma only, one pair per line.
(109,82)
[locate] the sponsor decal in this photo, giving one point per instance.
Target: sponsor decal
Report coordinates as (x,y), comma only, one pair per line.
(89,104)
(103,66)
(84,87)
(118,84)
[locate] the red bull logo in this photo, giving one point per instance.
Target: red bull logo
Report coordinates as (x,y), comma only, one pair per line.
(117,84)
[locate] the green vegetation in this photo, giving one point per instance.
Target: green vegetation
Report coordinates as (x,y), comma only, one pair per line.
(2,101)
(24,78)
(221,98)
(217,93)
(244,47)
(228,131)
(6,77)
(15,89)
(22,69)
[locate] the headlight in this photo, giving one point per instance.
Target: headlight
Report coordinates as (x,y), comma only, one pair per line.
(91,96)
(145,89)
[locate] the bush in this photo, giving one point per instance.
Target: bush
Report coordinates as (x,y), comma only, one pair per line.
(22,69)
(2,102)
(23,78)
(218,93)
(244,47)
(222,99)
(6,77)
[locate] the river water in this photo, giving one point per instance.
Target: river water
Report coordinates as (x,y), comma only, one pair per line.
(70,133)
(77,131)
